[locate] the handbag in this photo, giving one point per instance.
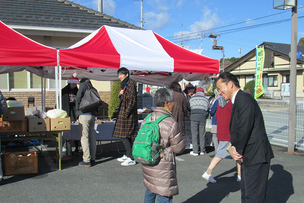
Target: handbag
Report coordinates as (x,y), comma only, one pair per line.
(208,125)
(90,101)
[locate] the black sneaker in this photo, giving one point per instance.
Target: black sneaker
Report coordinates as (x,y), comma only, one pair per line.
(84,164)
(93,162)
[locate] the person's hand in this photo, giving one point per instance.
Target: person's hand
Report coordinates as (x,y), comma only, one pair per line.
(121,92)
(236,155)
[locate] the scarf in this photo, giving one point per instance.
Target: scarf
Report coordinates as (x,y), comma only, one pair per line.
(124,83)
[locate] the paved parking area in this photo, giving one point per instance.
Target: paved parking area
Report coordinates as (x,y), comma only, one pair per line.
(109,182)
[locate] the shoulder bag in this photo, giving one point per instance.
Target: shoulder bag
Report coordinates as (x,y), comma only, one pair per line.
(90,100)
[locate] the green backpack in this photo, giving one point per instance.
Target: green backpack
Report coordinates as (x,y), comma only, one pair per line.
(146,147)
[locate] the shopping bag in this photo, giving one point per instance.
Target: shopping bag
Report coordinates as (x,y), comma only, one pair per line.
(90,101)
(208,125)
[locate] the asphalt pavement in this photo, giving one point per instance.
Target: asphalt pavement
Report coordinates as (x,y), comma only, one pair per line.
(109,182)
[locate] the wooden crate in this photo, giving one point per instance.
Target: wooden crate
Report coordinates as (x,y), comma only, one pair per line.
(21,163)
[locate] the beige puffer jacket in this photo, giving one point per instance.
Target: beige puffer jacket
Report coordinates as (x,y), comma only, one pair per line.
(161,179)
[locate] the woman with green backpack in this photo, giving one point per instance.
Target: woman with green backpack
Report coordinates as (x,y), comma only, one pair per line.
(160,180)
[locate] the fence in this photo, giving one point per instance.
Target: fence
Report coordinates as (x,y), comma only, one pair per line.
(276,117)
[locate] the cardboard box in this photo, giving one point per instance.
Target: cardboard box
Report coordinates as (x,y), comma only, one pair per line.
(60,124)
(14,114)
(38,125)
(20,163)
(13,126)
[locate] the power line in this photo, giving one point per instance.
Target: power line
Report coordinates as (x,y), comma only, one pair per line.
(194,34)
(189,36)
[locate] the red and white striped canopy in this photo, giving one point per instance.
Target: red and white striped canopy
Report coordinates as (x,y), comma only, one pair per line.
(140,50)
(18,50)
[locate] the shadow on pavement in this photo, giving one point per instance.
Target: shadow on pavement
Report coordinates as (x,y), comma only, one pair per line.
(218,191)
(280,185)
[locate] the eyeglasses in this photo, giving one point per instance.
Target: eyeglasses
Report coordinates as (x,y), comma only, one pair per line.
(218,88)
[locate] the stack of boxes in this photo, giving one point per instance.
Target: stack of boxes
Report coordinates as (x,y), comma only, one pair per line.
(14,121)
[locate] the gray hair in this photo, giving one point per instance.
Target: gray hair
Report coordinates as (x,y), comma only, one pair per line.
(162,96)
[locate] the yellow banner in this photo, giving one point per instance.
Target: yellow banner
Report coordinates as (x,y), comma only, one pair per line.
(260,58)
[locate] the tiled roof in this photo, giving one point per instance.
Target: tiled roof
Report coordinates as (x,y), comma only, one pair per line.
(283,48)
(278,48)
(55,13)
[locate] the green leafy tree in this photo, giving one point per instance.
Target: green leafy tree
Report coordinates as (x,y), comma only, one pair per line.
(114,99)
(250,86)
(232,59)
(301,41)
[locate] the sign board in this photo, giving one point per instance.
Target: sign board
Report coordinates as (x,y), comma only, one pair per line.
(285,89)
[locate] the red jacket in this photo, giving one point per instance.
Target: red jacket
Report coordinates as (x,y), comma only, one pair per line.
(223,122)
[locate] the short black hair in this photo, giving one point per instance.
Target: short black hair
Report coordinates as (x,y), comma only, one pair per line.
(84,79)
(123,70)
(226,77)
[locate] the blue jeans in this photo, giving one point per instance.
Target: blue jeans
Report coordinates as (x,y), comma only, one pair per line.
(150,198)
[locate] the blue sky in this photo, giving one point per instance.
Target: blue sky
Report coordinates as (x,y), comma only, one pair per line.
(242,24)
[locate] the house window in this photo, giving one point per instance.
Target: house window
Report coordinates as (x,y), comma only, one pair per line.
(35,81)
(18,80)
(286,78)
(248,78)
(26,81)
(53,84)
(3,83)
(272,81)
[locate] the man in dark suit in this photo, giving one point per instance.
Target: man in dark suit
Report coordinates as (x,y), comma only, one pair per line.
(248,138)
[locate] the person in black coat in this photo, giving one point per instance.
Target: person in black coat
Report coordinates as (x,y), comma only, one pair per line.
(86,125)
(69,93)
(248,137)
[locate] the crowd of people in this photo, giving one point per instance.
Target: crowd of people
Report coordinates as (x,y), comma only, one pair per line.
(237,124)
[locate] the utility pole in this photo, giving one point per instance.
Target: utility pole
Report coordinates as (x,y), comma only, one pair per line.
(100,6)
(293,80)
(215,47)
(141,14)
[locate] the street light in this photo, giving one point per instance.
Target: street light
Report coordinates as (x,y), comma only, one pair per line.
(282,5)
(215,47)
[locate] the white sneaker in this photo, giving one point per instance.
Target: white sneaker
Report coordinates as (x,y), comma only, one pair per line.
(238,178)
(122,159)
(209,177)
(193,153)
(128,162)
(202,153)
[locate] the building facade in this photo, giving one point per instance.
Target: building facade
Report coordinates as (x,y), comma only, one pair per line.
(276,74)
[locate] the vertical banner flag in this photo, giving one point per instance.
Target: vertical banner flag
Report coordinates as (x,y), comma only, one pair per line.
(260,58)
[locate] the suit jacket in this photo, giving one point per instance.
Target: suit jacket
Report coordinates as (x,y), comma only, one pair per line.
(248,132)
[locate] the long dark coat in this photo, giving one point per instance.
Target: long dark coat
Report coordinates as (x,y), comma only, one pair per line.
(180,110)
(69,107)
(126,125)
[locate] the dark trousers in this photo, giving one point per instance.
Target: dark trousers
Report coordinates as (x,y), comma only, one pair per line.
(198,134)
(128,142)
(254,182)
